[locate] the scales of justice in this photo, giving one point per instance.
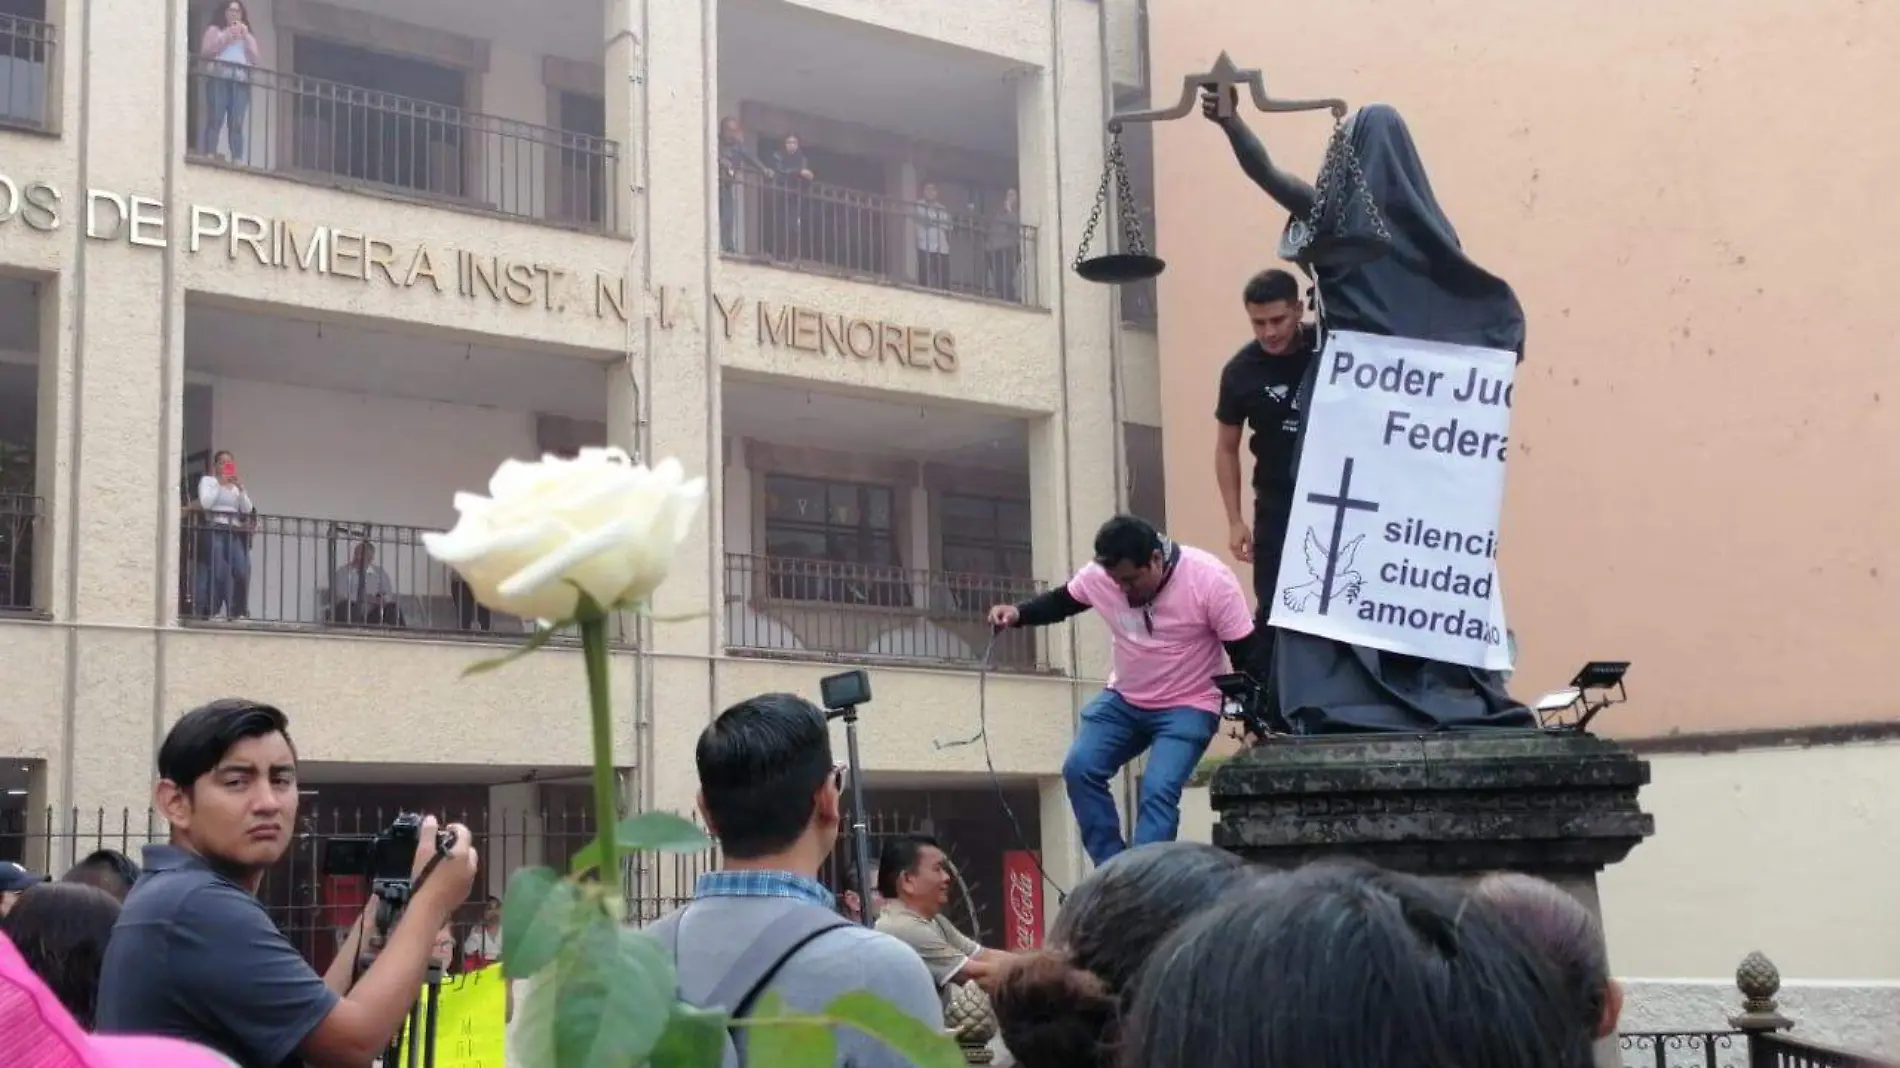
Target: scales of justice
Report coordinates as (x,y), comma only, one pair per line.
(1315,236)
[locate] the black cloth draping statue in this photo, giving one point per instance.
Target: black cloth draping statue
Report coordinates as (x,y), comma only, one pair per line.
(1399,271)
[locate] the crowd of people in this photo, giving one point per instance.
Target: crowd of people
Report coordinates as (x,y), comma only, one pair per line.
(1170,955)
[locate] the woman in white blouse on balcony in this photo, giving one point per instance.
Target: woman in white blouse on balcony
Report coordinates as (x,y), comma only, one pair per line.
(231,51)
(227,513)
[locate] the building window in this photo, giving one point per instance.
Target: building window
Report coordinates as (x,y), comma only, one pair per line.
(985,536)
(580,193)
(833,541)
(385,119)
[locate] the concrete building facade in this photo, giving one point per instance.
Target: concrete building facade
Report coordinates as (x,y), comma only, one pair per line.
(475,232)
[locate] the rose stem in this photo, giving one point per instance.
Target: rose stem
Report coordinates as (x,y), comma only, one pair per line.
(606,794)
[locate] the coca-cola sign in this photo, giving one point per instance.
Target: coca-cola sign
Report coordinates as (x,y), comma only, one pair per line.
(1022,901)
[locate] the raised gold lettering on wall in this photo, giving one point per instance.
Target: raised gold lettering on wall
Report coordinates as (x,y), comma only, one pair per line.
(252,231)
(610,294)
(379,258)
(729,308)
(331,251)
(775,324)
(422,265)
(36,204)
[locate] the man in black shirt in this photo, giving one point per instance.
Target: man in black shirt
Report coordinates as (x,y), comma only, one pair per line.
(1260,390)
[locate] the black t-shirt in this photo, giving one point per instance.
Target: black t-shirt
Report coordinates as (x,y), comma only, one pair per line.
(1263,393)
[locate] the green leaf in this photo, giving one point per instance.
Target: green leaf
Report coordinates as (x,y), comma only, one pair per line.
(617,993)
(535,641)
(536,915)
(531,1033)
(909,1036)
(775,1038)
(648,832)
(694,1038)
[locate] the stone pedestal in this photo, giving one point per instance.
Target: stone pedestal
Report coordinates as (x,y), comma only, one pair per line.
(1558,805)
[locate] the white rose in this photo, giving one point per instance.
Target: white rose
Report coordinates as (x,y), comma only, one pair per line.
(599,521)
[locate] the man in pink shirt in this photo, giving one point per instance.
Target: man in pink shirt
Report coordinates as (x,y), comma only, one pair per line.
(1178,616)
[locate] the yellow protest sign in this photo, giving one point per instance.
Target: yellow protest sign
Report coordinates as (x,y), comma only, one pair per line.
(471,1021)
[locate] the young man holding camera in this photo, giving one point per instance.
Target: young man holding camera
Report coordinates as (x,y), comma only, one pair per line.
(195,956)
(1178,616)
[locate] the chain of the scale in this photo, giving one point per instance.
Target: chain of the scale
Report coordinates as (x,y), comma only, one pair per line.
(1117,171)
(1339,152)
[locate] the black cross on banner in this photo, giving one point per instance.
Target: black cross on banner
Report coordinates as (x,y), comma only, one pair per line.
(1340,504)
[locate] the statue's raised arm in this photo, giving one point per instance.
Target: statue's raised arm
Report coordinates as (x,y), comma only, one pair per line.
(1289,190)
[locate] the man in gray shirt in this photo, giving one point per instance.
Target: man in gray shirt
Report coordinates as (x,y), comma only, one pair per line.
(771,792)
(195,956)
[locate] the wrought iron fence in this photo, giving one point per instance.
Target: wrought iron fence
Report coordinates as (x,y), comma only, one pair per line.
(812,225)
(321,883)
(794,607)
(297,125)
(331,574)
(1759,1037)
(21,516)
(29,49)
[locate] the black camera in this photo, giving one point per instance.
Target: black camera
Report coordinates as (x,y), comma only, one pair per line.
(390,862)
(847,689)
(1244,700)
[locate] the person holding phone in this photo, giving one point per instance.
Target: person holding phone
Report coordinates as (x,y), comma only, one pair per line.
(230,51)
(227,513)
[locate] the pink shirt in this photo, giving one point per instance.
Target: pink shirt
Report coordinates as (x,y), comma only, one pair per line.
(1200,607)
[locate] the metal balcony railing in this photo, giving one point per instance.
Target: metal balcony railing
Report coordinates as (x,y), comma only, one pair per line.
(814,226)
(330,574)
(28,49)
(309,127)
(21,516)
(792,607)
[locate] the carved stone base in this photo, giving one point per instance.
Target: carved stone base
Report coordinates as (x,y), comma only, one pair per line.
(1561,805)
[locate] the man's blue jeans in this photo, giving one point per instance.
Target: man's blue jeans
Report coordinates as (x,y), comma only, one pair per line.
(1114,732)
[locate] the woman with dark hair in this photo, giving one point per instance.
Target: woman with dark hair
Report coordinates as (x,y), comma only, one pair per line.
(1058,1007)
(1568,934)
(229,51)
(1348,966)
(61,929)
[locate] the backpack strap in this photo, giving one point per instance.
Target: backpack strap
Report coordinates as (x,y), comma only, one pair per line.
(754,968)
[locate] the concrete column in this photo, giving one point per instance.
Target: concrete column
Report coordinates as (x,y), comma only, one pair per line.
(672,216)
(1063,859)
(673,219)
(121,344)
(1035,180)
(516,836)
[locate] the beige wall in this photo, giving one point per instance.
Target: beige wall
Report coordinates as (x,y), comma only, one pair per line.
(1690,199)
(1786,851)
(101,676)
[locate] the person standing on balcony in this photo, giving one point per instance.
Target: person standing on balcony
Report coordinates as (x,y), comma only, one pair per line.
(1005,248)
(228,514)
(735,160)
(794,178)
(933,239)
(1177,616)
(230,51)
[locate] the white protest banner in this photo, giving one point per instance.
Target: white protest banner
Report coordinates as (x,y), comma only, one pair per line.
(1392,540)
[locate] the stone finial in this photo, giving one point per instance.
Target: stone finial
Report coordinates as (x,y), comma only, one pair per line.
(1759,981)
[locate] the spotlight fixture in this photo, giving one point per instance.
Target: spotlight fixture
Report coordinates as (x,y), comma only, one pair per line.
(1597,686)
